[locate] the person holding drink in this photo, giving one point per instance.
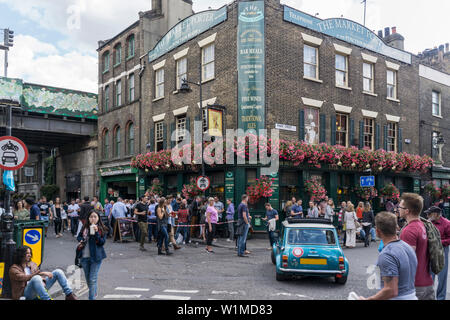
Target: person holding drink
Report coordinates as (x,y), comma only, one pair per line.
(92,238)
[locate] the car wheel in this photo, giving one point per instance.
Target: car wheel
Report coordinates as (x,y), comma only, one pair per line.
(341,280)
(273,258)
(280,277)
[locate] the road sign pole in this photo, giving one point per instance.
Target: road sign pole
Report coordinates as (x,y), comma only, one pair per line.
(7,226)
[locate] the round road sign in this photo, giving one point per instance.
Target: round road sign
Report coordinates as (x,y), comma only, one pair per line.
(13,153)
(203,183)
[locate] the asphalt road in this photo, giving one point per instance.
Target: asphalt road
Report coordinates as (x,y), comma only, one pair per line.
(193,274)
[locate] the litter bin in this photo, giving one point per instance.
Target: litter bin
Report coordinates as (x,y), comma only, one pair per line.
(31,233)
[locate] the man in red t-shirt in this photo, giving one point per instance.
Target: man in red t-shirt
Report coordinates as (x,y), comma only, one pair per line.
(415,234)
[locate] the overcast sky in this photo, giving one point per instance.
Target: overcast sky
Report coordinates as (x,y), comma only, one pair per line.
(51,47)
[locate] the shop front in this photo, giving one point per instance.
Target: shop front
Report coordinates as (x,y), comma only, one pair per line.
(122,182)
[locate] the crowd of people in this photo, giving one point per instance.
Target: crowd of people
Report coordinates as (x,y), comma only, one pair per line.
(171,222)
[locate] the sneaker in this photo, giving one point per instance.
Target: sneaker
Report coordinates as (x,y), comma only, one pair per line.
(71,297)
(142,249)
(242,256)
(228,240)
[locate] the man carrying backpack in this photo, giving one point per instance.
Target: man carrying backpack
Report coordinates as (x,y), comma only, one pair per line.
(434,214)
(415,234)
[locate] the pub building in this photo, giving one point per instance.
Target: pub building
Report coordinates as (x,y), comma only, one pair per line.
(263,65)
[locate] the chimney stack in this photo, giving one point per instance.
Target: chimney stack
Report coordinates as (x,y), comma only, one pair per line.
(394,30)
(380,34)
(447,49)
(387,31)
(156,6)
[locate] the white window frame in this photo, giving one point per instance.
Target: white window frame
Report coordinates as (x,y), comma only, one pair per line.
(371,121)
(118,93)
(438,103)
(159,83)
(159,134)
(208,63)
(316,64)
(395,137)
(180,127)
(131,87)
(371,78)
(345,85)
(181,74)
(345,130)
(393,85)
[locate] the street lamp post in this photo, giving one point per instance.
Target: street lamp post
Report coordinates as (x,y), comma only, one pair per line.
(184,88)
(8,245)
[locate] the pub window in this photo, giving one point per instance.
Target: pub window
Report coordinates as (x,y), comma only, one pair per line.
(218,185)
(208,64)
(181,71)
(392,136)
(368,133)
(311,62)
(392,84)
(341,129)
(289,187)
(436,103)
(368,71)
(159,83)
(181,127)
(159,136)
(172,185)
(341,70)
(343,191)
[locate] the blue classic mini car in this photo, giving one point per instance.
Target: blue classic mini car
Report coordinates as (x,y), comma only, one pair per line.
(309,247)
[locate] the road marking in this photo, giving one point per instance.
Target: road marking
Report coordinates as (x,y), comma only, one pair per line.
(167,297)
(122,296)
(180,291)
(226,292)
(131,289)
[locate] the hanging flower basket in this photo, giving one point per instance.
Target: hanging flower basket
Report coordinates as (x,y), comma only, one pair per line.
(366,193)
(191,190)
(315,190)
(156,188)
(433,190)
(390,191)
(261,189)
(445,192)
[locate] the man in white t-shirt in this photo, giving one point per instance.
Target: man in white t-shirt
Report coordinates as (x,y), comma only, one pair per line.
(73,211)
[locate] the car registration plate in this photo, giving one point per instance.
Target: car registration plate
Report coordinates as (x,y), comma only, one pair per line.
(314,261)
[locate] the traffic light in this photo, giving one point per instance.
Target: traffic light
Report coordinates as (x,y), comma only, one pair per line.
(9,38)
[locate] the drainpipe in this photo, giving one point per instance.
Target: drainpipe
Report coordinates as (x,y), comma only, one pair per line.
(141,73)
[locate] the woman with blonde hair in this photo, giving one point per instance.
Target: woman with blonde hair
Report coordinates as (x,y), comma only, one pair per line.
(350,225)
(360,210)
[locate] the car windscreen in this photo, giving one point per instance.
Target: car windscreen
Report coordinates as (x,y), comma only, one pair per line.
(311,236)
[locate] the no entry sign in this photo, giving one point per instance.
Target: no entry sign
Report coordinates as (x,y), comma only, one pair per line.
(13,153)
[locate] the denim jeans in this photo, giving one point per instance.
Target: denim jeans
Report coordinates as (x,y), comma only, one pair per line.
(183,231)
(441,291)
(163,236)
(271,237)
(91,273)
(37,289)
(231,230)
(152,229)
(242,240)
